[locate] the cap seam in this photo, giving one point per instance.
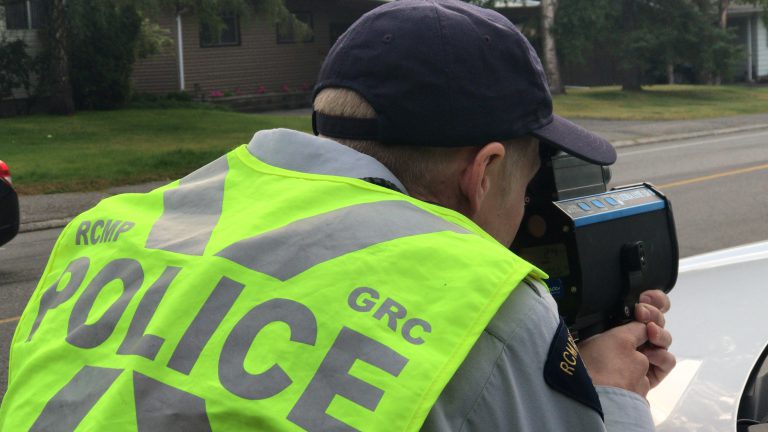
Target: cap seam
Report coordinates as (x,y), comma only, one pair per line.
(451,105)
(350,37)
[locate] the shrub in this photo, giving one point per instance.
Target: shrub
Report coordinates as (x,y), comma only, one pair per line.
(14,67)
(180,96)
(102,50)
(170,100)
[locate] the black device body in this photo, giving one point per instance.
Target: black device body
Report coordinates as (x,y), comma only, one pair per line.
(600,248)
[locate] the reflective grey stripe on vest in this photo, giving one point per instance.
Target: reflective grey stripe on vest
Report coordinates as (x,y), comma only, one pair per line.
(71,404)
(191,211)
(160,407)
(300,245)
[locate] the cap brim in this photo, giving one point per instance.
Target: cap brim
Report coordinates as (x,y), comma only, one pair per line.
(577,141)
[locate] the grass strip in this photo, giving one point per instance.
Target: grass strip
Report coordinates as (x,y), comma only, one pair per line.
(662,102)
(97,149)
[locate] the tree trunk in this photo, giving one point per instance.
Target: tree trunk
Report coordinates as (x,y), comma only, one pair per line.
(724,13)
(723,25)
(632,76)
(548,10)
(632,79)
(670,73)
(61,101)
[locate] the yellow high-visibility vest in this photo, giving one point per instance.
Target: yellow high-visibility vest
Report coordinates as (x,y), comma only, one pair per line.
(249,297)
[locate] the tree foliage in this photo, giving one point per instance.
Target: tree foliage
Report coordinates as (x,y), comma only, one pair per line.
(210,11)
(15,65)
(15,70)
(645,35)
(102,49)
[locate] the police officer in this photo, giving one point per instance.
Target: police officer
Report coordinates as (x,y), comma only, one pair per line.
(356,280)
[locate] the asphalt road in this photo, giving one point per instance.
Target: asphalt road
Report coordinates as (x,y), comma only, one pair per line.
(718,187)
(22,261)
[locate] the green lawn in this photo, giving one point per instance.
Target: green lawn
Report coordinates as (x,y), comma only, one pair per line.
(662,102)
(93,150)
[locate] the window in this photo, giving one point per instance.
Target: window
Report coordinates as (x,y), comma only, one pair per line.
(229,35)
(24,14)
(287,33)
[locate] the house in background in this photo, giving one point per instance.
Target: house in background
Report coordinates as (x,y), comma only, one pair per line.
(20,20)
(753,38)
(255,64)
(251,56)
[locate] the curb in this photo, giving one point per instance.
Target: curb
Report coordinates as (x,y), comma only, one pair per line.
(682,136)
(43,225)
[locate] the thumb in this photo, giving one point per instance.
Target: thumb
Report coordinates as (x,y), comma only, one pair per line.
(634,332)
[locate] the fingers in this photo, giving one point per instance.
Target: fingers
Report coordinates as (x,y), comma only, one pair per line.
(660,359)
(613,359)
(635,333)
(639,347)
(646,313)
(657,299)
(659,336)
(661,364)
(642,368)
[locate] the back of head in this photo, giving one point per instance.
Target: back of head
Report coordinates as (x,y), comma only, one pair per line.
(441,74)
(421,169)
(438,74)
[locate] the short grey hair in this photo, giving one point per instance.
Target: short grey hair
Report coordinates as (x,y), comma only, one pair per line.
(420,169)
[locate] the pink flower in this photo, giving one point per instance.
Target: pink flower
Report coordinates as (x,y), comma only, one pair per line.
(261,90)
(285,88)
(216,93)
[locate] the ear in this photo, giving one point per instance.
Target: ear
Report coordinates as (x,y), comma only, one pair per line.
(475,180)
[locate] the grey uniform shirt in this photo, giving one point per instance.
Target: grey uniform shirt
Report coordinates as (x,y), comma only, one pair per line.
(500,386)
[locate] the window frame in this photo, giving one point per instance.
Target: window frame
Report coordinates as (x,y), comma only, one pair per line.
(26,16)
(34,15)
(218,43)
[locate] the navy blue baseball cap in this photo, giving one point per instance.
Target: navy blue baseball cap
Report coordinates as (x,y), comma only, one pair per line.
(446,74)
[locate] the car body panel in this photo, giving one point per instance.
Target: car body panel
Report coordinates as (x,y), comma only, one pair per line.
(9,212)
(720,329)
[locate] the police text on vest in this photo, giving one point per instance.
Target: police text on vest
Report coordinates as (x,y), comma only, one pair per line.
(101,231)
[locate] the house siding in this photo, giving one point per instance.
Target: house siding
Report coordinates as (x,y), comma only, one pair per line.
(758,41)
(159,73)
(258,61)
(30,37)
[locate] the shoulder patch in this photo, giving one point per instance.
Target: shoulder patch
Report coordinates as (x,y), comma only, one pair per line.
(565,372)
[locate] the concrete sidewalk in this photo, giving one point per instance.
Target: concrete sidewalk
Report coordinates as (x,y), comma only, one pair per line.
(51,211)
(632,132)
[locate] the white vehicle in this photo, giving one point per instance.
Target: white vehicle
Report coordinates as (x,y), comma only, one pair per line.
(719,324)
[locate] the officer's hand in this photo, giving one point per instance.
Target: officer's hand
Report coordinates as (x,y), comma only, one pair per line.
(651,309)
(612,358)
